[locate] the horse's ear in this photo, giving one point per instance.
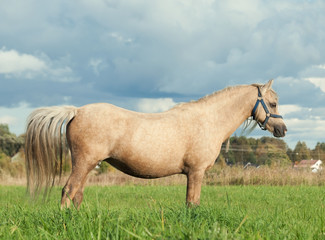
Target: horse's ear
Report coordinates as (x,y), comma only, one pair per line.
(267,86)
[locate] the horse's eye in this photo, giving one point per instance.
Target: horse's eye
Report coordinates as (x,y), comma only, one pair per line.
(273,105)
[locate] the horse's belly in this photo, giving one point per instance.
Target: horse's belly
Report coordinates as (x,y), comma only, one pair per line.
(144,169)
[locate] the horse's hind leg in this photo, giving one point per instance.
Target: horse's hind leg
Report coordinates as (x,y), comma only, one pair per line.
(73,189)
(77,200)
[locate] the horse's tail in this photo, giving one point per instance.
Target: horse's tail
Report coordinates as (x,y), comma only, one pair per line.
(44,146)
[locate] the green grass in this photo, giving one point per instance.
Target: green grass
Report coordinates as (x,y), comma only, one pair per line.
(159,212)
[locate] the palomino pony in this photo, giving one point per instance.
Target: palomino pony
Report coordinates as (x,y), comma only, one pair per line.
(183,140)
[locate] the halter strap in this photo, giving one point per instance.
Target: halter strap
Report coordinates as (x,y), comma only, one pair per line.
(268,114)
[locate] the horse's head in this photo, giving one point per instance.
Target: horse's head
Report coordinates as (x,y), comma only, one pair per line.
(266,113)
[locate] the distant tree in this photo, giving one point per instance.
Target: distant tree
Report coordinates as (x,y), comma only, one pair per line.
(301,152)
(14,169)
(273,151)
(241,151)
(9,142)
(319,151)
(4,129)
(290,154)
(263,151)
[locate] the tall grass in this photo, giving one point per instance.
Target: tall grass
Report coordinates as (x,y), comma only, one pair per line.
(159,212)
(273,176)
(221,176)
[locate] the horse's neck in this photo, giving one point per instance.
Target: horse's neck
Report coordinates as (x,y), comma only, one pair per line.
(230,108)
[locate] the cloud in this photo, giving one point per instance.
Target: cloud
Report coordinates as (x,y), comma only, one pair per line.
(299,129)
(304,124)
(62,74)
(120,38)
(315,74)
(97,65)
(286,109)
(319,82)
(12,61)
(15,65)
(173,47)
(298,91)
(321,66)
(155,105)
(8,119)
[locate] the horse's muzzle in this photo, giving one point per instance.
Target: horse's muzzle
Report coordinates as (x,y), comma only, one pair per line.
(279,130)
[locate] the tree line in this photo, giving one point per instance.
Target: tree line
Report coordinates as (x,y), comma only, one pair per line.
(268,151)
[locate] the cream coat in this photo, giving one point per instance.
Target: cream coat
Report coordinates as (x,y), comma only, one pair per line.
(183,140)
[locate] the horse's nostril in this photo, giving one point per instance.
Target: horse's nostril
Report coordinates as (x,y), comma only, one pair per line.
(279,131)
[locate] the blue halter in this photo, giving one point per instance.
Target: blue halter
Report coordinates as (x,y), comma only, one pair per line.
(268,114)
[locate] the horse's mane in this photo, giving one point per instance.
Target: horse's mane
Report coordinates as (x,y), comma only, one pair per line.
(206,97)
(248,126)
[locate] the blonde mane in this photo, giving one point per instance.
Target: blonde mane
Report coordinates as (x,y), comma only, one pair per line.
(205,98)
(214,94)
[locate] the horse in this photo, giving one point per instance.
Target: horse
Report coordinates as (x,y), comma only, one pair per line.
(186,139)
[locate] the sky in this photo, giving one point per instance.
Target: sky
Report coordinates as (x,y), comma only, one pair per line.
(148,55)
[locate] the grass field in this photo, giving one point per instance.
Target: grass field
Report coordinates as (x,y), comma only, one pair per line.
(159,212)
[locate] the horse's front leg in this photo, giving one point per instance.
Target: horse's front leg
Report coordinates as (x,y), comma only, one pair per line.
(194,183)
